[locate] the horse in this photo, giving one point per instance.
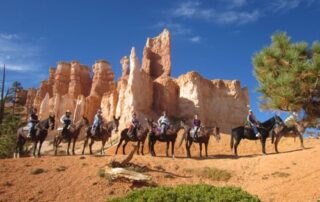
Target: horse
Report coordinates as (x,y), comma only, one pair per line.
(72,135)
(170,135)
(247,133)
(284,131)
(105,133)
(41,132)
(140,137)
(202,138)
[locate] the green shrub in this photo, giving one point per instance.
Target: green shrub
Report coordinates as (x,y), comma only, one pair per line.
(211,173)
(183,193)
(37,171)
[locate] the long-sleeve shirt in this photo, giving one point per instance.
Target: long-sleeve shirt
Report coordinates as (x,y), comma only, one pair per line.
(163,120)
(97,120)
(196,122)
(33,117)
(252,119)
(66,120)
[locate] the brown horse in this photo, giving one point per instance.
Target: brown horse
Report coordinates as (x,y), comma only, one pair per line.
(41,132)
(140,137)
(72,134)
(170,136)
(105,133)
(202,138)
(284,131)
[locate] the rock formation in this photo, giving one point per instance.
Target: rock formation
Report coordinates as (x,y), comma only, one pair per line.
(31,94)
(156,60)
(147,90)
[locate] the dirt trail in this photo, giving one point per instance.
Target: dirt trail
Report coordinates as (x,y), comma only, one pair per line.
(293,175)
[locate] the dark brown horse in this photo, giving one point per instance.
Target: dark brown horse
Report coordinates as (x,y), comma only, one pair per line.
(202,138)
(41,132)
(72,135)
(105,133)
(139,136)
(170,136)
(284,131)
(239,133)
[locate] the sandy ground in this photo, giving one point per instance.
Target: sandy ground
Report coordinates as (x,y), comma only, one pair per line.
(255,173)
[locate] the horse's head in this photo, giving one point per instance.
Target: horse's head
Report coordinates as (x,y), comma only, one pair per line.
(51,120)
(85,120)
(116,123)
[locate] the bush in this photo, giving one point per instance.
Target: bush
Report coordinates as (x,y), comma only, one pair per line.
(211,173)
(182,193)
(8,133)
(37,171)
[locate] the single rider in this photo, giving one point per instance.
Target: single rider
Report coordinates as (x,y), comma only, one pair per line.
(196,125)
(253,122)
(66,120)
(97,121)
(33,120)
(133,124)
(163,121)
(291,120)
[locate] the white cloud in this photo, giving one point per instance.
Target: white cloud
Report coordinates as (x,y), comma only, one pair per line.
(194,10)
(195,39)
(18,53)
(175,28)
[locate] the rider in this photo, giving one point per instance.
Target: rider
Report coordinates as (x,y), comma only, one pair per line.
(98,120)
(33,120)
(163,121)
(291,120)
(196,125)
(253,122)
(133,125)
(66,120)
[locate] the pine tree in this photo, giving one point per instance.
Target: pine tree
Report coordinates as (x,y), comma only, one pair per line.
(288,74)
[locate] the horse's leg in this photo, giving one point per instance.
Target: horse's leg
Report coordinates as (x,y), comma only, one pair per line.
(301,140)
(167,150)
(263,144)
(278,137)
(119,144)
(206,148)
(74,145)
(69,143)
(90,146)
(142,147)
(85,145)
(103,142)
(200,148)
(237,142)
(124,147)
(138,150)
(39,150)
(55,145)
(34,148)
(172,148)
(189,146)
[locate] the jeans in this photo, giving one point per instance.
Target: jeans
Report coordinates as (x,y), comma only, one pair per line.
(255,129)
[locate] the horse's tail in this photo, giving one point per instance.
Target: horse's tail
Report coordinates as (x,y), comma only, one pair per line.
(149,141)
(184,136)
(231,140)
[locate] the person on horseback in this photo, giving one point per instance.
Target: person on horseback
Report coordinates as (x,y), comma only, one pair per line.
(134,124)
(66,120)
(163,122)
(97,121)
(196,125)
(253,123)
(33,120)
(291,120)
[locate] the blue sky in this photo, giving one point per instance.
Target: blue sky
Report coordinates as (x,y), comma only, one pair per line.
(216,38)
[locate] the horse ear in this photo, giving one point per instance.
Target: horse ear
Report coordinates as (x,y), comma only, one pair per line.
(119,118)
(114,117)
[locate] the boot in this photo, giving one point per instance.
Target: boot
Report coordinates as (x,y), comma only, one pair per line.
(258,135)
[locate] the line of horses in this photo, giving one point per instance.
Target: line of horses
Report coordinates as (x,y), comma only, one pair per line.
(169,136)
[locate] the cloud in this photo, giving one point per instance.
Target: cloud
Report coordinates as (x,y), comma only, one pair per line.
(195,39)
(219,15)
(19,53)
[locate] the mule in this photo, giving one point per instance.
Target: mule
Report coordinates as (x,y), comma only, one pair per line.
(203,137)
(170,136)
(284,131)
(239,133)
(41,133)
(71,135)
(105,133)
(139,135)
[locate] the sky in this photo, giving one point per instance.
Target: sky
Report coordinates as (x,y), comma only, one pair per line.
(216,38)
